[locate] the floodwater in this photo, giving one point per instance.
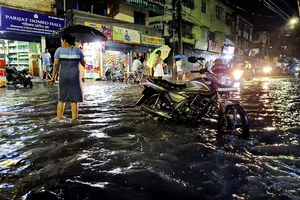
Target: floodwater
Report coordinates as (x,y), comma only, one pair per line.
(114,153)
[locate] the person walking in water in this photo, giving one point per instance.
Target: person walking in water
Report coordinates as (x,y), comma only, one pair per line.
(157,66)
(68,59)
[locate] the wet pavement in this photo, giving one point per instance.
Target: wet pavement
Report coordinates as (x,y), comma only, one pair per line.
(114,153)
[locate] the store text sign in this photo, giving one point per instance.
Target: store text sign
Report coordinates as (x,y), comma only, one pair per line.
(29,22)
(214,47)
(146,39)
(126,35)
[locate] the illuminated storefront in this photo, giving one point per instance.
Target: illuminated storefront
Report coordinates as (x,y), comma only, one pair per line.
(122,44)
(93,57)
(23,37)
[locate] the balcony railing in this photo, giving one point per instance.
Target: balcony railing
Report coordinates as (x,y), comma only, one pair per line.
(146,5)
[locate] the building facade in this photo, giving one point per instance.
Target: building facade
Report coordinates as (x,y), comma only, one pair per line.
(242,31)
(136,11)
(125,24)
(206,26)
(25,25)
(261,45)
(47,7)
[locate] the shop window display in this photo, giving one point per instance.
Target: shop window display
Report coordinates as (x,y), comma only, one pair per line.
(20,54)
(117,61)
(92,55)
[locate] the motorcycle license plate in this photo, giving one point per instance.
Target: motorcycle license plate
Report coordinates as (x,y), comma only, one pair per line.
(28,76)
(227,89)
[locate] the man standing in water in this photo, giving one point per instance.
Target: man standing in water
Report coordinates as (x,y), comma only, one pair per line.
(46,61)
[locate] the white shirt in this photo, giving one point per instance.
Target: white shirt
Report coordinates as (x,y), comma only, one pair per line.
(178,64)
(46,58)
(135,65)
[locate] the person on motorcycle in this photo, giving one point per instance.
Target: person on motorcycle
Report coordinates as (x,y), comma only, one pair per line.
(136,65)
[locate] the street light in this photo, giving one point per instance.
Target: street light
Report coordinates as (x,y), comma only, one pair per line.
(293,21)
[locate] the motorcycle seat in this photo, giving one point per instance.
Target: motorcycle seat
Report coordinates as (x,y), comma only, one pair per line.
(169,85)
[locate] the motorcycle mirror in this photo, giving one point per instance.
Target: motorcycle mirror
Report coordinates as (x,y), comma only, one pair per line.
(192,59)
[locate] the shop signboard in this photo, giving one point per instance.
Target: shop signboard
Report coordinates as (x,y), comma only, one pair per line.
(106,30)
(125,35)
(29,22)
(157,41)
(228,50)
(214,47)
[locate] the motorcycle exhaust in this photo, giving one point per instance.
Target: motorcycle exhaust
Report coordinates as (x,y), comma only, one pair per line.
(152,111)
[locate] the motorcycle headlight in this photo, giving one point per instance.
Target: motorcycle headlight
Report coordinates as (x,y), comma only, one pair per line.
(267,69)
(237,74)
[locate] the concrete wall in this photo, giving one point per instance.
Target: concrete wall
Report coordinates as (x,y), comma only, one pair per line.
(33,5)
(126,13)
(79,17)
(206,21)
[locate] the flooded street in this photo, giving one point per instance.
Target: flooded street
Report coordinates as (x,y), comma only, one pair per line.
(114,153)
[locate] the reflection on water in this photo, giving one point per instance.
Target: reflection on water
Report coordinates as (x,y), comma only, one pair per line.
(116,154)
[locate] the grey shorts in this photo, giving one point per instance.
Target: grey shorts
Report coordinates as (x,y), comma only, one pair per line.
(46,68)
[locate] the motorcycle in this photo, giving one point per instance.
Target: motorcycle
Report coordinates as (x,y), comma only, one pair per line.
(118,76)
(107,73)
(137,77)
(15,77)
(201,97)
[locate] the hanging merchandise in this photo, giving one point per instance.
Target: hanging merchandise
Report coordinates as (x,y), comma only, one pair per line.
(117,60)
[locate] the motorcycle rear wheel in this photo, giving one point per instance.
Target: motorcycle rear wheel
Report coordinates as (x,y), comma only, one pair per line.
(30,83)
(234,120)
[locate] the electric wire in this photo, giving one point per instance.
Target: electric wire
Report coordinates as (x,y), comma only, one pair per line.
(270,7)
(288,6)
(278,8)
(242,9)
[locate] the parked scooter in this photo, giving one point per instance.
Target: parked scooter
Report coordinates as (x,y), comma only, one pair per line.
(107,73)
(118,76)
(201,97)
(15,77)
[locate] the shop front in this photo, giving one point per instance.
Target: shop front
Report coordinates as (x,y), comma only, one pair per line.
(124,42)
(94,52)
(23,35)
(150,43)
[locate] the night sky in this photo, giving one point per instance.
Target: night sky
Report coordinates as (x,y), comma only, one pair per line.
(262,17)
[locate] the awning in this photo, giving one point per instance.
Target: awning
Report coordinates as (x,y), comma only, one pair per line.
(20,37)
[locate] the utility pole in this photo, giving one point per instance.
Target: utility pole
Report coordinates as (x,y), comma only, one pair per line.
(298,1)
(176,17)
(65,8)
(174,43)
(180,28)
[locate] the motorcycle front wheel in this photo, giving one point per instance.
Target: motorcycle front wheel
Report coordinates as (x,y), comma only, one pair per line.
(234,120)
(130,80)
